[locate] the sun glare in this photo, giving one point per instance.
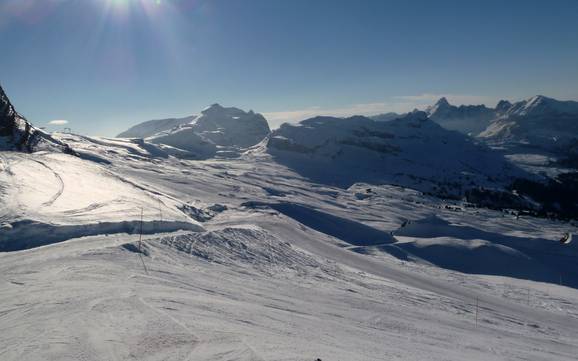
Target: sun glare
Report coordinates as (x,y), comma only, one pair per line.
(125,6)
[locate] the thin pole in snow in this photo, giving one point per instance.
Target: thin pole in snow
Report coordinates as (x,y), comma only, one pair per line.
(528,296)
(140,242)
(477,311)
(140,235)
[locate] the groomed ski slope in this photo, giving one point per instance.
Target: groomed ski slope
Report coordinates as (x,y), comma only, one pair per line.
(271,267)
(51,197)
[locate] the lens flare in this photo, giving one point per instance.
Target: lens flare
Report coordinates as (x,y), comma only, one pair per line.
(123,7)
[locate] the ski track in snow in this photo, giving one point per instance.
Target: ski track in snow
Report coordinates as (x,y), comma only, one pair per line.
(52,199)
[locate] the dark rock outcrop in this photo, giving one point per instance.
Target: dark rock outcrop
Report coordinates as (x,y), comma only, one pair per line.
(17,134)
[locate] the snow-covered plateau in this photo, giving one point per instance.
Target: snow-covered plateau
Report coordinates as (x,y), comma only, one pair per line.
(292,249)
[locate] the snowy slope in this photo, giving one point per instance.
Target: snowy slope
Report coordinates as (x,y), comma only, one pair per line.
(51,197)
(187,139)
(412,151)
(152,127)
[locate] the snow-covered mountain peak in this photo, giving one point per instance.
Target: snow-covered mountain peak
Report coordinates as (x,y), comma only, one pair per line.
(213,108)
(218,130)
(503,106)
(538,98)
(534,105)
(468,119)
(217,117)
(217,111)
(540,105)
(442,102)
(442,105)
(540,122)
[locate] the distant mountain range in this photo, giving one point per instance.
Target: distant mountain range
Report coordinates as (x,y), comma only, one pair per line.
(415,150)
(410,150)
(538,122)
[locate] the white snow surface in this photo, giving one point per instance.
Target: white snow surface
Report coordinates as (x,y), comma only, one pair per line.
(55,196)
(249,259)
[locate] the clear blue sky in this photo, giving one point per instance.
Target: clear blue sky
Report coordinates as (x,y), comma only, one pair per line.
(104,65)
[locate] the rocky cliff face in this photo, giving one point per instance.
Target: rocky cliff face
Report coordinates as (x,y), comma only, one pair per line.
(17,134)
(13,129)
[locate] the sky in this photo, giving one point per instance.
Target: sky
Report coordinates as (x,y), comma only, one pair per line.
(101,66)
